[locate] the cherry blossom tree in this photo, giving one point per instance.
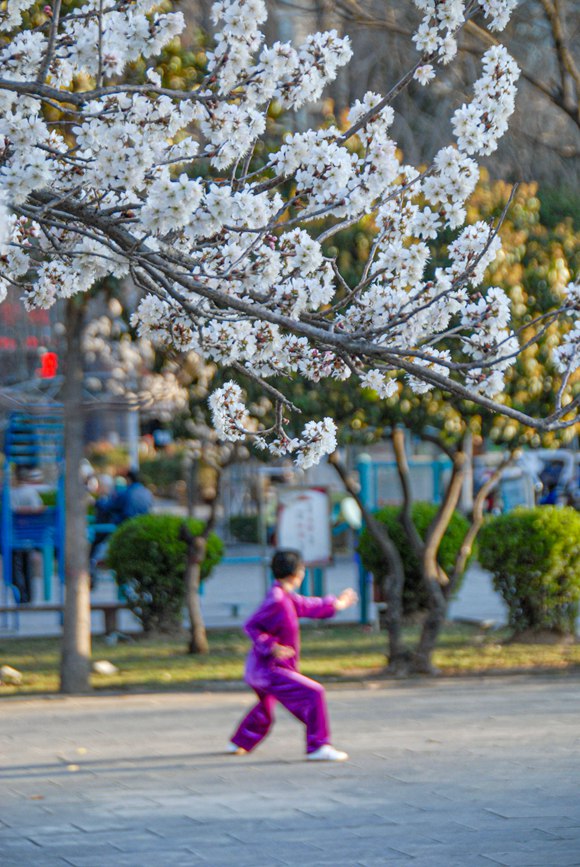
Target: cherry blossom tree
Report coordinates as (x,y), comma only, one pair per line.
(135,179)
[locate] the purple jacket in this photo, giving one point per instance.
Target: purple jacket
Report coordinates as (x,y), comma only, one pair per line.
(276,622)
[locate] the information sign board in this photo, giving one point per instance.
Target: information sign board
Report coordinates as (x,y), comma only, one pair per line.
(303,522)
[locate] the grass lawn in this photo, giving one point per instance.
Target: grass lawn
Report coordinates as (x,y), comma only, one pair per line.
(329,652)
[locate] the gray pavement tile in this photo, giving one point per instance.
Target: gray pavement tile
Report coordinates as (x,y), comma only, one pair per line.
(474,840)
(103,824)
(365,851)
(559,831)
(74,849)
(119,859)
(465,860)
(536,858)
(531,811)
(18,845)
(246,860)
(150,843)
(171,825)
(10,861)
(54,840)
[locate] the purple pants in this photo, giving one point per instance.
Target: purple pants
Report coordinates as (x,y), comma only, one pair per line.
(303,697)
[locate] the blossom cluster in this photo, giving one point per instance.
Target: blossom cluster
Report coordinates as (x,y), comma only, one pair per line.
(436,36)
(232,421)
(11,16)
(479,125)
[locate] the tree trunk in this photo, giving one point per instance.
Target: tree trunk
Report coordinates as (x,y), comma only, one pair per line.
(76,638)
(435,579)
(192,485)
(477,518)
(398,657)
(196,548)
(406,518)
(441,595)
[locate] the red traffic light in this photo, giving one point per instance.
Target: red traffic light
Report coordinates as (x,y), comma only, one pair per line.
(48,365)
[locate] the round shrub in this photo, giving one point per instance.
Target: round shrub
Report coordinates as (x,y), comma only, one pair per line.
(534,556)
(149,561)
(414,594)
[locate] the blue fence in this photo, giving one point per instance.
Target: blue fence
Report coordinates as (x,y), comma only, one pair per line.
(32,441)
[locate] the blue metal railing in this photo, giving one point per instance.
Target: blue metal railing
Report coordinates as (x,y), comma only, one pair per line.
(30,441)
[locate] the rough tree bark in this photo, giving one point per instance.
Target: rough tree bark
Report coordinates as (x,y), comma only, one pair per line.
(196,548)
(477,519)
(196,551)
(76,638)
(435,578)
(398,657)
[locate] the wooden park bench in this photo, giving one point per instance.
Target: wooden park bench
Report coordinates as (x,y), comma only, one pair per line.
(110,611)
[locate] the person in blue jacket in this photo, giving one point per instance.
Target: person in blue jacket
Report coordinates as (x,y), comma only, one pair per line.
(134,500)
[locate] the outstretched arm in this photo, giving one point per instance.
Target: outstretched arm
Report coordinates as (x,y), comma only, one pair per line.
(315,607)
(320,607)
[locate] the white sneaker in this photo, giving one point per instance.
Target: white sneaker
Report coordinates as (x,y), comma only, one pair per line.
(327,753)
(235,750)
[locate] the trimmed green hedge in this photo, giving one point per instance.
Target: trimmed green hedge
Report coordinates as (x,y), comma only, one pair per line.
(149,561)
(414,594)
(534,556)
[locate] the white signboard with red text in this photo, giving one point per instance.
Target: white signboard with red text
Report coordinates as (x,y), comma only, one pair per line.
(304,523)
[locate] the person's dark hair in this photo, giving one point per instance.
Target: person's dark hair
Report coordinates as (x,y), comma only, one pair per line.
(22,472)
(132,477)
(286,562)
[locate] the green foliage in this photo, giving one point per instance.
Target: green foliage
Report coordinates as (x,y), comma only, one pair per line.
(558,204)
(48,498)
(162,471)
(244,528)
(534,555)
(414,594)
(149,561)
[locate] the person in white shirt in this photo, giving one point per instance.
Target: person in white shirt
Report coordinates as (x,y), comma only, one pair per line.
(24,500)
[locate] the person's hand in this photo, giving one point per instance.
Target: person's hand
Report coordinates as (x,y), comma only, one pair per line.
(282,651)
(347,598)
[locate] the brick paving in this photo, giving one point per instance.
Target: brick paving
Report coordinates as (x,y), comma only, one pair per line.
(447,773)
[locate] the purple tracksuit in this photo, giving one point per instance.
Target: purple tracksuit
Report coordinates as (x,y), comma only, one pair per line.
(276,622)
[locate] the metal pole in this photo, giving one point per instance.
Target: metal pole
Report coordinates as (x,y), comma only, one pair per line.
(467,489)
(365,470)
(133,438)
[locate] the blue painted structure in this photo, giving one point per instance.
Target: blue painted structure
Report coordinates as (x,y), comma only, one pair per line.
(32,440)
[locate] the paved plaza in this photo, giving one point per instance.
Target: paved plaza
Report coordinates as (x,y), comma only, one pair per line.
(449,773)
